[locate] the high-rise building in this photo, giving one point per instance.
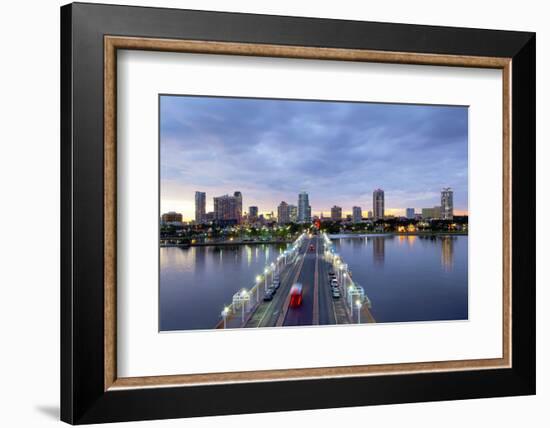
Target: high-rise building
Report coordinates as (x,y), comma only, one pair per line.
(252,213)
(357,214)
(283,214)
(410,213)
(171,217)
(225,209)
(447,203)
(304,209)
(369,215)
(239,205)
(293,213)
(378,204)
(200,207)
(336,213)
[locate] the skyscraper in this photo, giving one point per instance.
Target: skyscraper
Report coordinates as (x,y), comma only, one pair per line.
(357,214)
(293,213)
(283,213)
(336,213)
(200,207)
(410,213)
(225,209)
(304,209)
(239,205)
(447,203)
(378,204)
(252,213)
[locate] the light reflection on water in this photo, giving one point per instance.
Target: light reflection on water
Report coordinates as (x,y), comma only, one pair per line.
(407,278)
(196,282)
(410,277)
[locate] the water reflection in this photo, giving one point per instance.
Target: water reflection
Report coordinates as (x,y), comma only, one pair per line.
(447,243)
(378,250)
(424,278)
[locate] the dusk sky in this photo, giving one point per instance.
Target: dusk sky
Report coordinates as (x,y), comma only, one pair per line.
(338,152)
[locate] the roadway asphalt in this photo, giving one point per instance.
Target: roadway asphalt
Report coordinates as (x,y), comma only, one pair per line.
(303,314)
(267,314)
(318,306)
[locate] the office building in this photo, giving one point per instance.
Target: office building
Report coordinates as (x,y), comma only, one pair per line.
(378,204)
(171,217)
(239,205)
(336,213)
(447,203)
(252,213)
(357,214)
(225,209)
(200,207)
(431,213)
(293,213)
(304,209)
(410,213)
(283,214)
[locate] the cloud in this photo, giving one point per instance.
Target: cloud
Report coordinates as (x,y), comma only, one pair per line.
(338,152)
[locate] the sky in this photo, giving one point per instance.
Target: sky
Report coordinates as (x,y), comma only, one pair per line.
(338,152)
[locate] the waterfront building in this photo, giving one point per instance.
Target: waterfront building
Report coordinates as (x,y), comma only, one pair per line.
(304,209)
(357,214)
(225,209)
(431,213)
(171,217)
(336,213)
(378,204)
(447,203)
(283,214)
(293,213)
(410,213)
(238,205)
(200,207)
(209,217)
(252,214)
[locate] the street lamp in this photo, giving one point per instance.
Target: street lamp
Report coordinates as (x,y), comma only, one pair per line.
(224,316)
(266,271)
(258,280)
(244,295)
(358,304)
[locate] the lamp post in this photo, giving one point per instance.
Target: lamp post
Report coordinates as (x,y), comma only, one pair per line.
(358,304)
(244,294)
(258,279)
(266,271)
(224,316)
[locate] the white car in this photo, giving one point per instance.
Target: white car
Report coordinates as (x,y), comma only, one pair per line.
(335,293)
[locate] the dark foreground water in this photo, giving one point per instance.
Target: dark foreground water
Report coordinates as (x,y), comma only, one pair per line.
(196,282)
(410,278)
(407,278)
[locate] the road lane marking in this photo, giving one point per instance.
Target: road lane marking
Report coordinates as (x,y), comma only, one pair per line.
(316,285)
(282,316)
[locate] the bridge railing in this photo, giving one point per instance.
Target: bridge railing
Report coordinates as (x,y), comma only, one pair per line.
(354,295)
(244,301)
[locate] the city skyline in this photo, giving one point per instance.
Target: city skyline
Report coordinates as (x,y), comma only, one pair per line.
(339,152)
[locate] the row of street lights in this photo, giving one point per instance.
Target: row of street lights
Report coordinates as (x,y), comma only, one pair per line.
(243,296)
(353,290)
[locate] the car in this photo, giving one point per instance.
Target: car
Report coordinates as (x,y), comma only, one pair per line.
(268,297)
(271,289)
(296,295)
(311,248)
(276,284)
(333,281)
(335,293)
(331,274)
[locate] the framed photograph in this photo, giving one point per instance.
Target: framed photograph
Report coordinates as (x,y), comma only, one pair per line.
(276,213)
